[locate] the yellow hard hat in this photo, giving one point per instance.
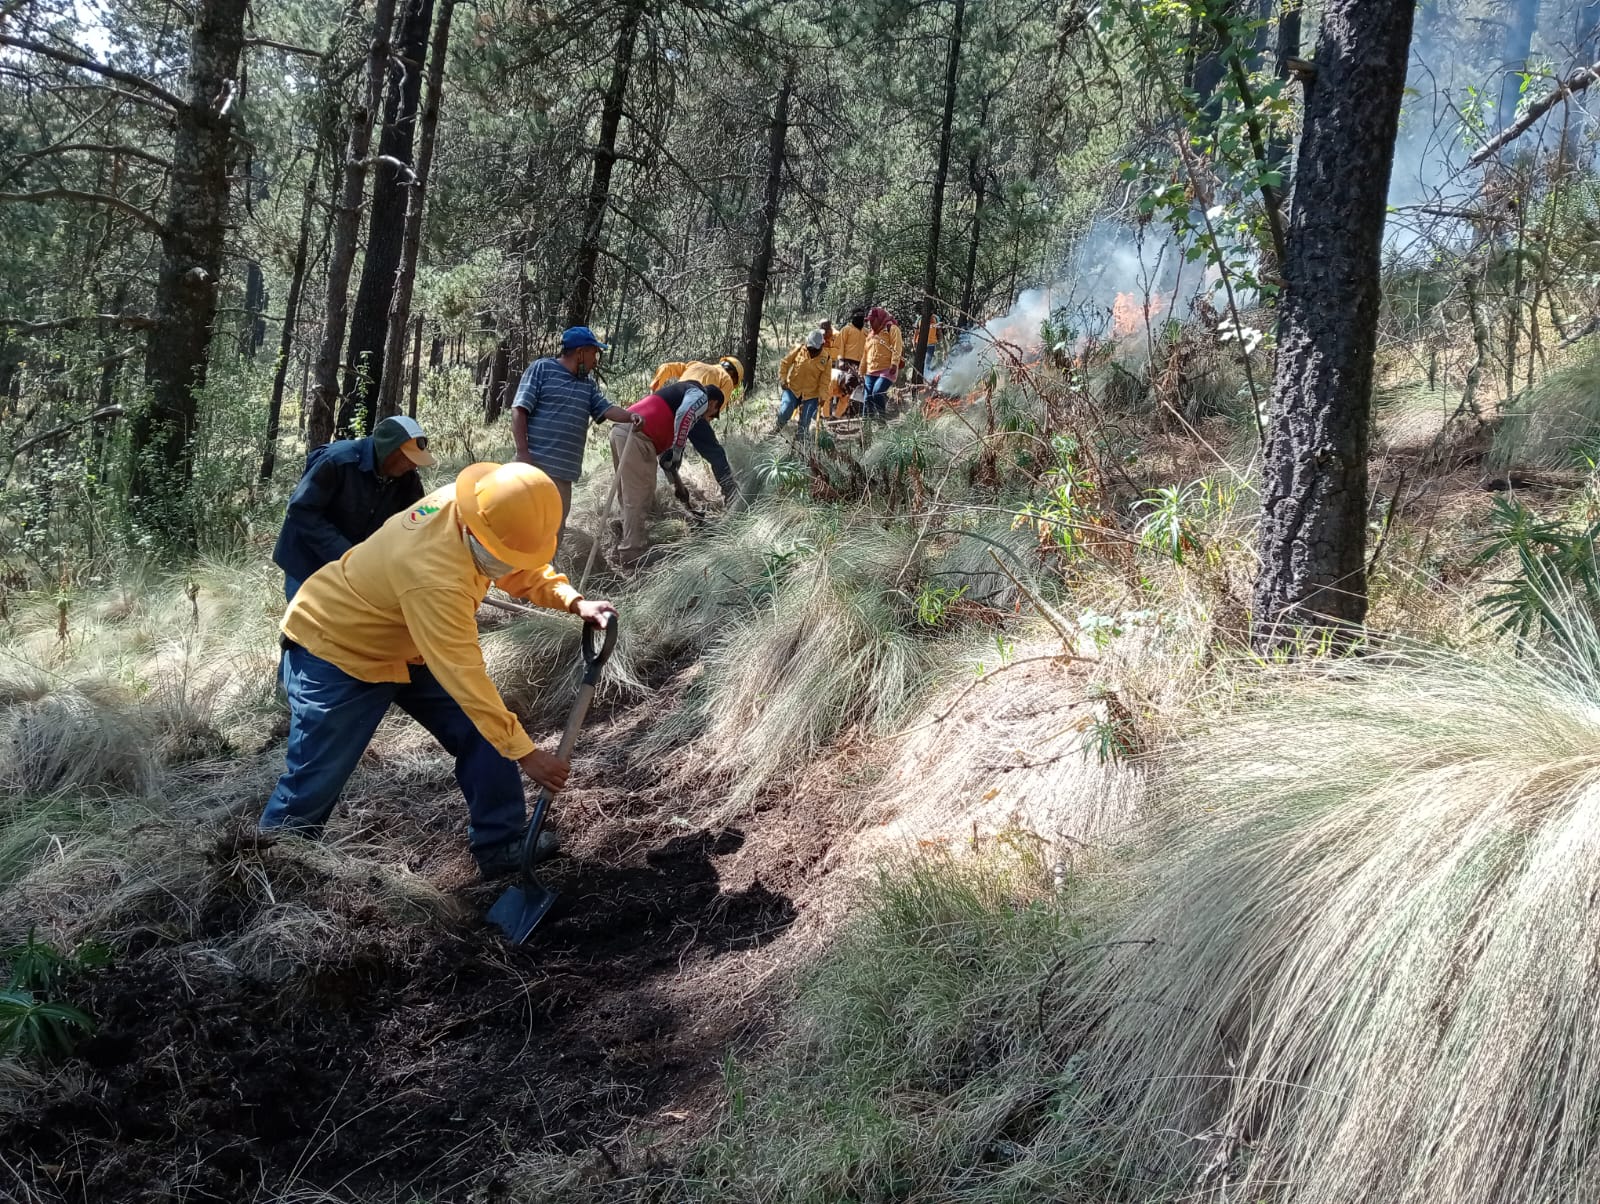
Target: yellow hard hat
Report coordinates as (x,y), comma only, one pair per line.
(733,367)
(513,509)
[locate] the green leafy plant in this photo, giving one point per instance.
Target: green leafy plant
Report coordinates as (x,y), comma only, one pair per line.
(1066,509)
(1555,591)
(934,602)
(1167,525)
(781,471)
(34,1027)
(32,1022)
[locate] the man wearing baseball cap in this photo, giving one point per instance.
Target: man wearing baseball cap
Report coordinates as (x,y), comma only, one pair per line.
(556,399)
(394,622)
(350,488)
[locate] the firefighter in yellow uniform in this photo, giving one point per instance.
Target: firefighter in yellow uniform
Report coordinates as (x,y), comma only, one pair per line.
(393,622)
(803,376)
(884,352)
(852,341)
(726,374)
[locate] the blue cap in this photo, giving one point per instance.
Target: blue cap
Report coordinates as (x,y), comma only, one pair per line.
(574,337)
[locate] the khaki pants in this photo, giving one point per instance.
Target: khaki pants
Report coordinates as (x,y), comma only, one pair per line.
(634,458)
(564,488)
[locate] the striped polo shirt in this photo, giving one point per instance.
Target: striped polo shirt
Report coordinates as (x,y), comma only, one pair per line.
(560,407)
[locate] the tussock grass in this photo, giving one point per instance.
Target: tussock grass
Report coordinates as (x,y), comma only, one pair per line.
(801,621)
(1556,423)
(1371,923)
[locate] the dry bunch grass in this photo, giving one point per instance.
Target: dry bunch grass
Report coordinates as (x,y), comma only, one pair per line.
(1372,977)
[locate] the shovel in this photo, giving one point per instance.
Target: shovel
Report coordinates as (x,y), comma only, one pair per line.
(518,911)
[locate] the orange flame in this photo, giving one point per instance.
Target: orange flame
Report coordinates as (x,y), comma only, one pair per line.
(1129,312)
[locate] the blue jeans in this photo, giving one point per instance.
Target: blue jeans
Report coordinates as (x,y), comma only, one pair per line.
(704,440)
(789,404)
(876,402)
(332,717)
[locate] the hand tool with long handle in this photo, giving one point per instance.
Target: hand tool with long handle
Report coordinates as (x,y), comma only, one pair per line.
(518,911)
(605,515)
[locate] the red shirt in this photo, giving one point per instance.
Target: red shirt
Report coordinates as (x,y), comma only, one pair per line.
(657,416)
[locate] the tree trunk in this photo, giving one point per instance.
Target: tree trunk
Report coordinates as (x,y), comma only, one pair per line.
(761,265)
(411,240)
(255,305)
(291,312)
(1288,48)
(580,298)
(978,182)
(494,389)
(1314,512)
(346,227)
(369,319)
(191,258)
(416,367)
(1521,20)
(930,273)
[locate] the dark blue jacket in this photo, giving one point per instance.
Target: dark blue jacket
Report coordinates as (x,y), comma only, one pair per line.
(339,501)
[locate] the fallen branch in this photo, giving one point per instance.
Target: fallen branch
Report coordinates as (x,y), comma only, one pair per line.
(1048,612)
(103,414)
(26,326)
(1576,82)
(87,198)
(962,697)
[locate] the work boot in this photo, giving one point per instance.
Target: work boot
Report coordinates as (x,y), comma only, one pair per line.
(503,860)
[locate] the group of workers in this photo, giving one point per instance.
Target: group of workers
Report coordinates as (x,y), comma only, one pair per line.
(384,581)
(832,370)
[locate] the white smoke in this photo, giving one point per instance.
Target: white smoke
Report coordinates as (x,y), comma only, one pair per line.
(1112,259)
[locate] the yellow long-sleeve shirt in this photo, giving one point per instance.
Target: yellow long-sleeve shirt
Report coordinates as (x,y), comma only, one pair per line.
(410,595)
(884,348)
(852,341)
(705,374)
(803,374)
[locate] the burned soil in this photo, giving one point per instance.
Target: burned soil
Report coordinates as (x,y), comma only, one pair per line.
(413,1060)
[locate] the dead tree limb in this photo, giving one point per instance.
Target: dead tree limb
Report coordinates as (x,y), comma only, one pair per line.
(87,198)
(1574,83)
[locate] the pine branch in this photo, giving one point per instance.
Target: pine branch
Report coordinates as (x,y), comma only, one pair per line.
(87,198)
(130,78)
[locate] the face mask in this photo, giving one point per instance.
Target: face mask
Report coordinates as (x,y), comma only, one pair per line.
(488,564)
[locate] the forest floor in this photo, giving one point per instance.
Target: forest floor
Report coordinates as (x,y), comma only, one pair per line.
(278,1028)
(379,1058)
(417,1060)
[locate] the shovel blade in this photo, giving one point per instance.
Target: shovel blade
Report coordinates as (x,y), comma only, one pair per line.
(518,912)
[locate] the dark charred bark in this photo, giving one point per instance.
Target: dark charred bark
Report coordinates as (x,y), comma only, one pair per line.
(346,228)
(291,312)
(761,265)
(411,239)
(930,274)
(580,298)
(1314,493)
(1288,50)
(185,308)
(369,318)
(255,307)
